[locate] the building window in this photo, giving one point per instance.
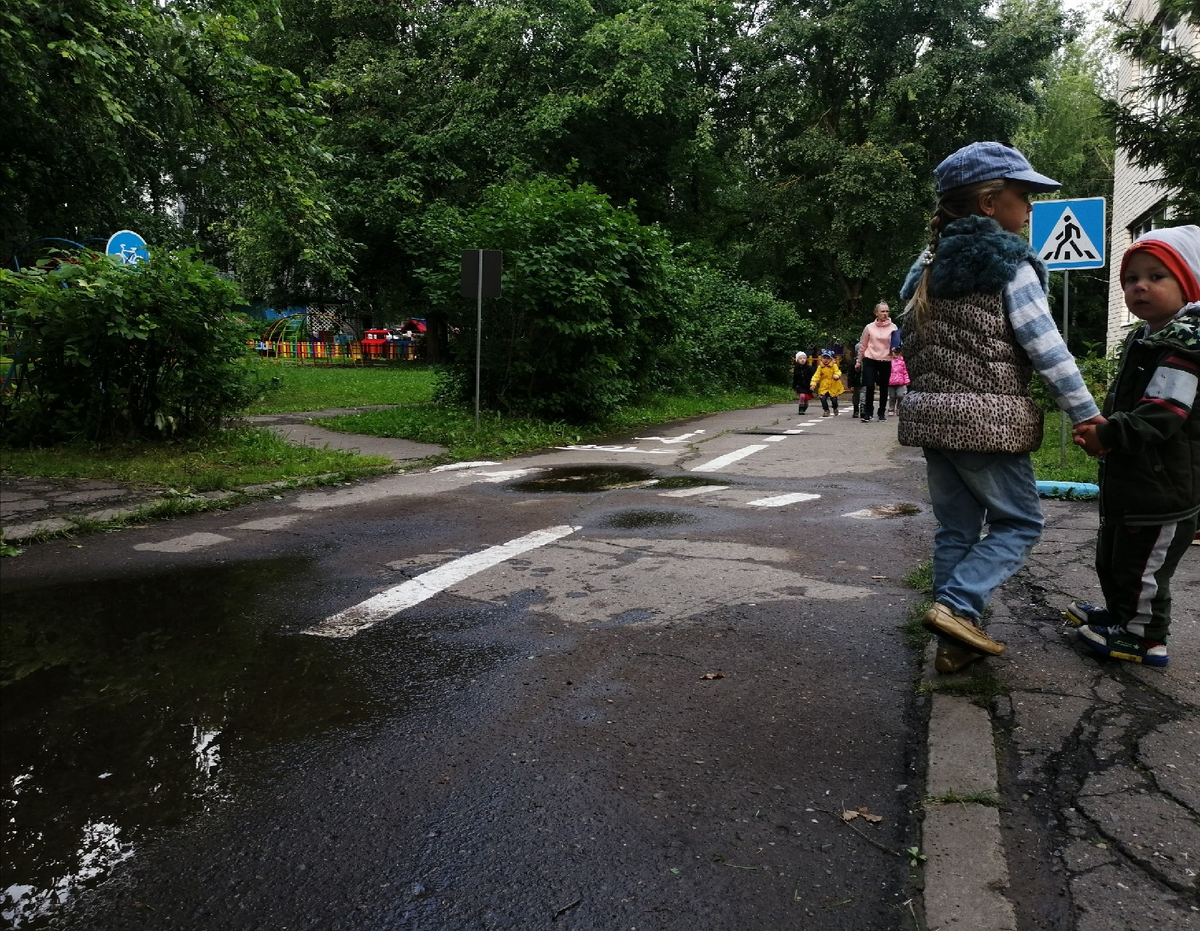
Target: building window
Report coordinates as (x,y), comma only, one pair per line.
(1155,219)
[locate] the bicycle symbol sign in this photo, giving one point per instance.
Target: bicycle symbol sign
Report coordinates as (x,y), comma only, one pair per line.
(128,246)
(1069,234)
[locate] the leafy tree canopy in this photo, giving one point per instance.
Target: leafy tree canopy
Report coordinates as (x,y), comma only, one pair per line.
(137,113)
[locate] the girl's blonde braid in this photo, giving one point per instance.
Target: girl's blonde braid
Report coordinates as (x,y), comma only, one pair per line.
(919,305)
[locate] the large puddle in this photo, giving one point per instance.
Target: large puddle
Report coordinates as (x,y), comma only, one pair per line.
(591,479)
(135,704)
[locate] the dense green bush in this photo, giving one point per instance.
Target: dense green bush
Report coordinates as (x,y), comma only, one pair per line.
(583,296)
(729,335)
(596,311)
(105,352)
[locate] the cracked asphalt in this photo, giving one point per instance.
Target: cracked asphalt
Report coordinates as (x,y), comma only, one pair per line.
(1071,800)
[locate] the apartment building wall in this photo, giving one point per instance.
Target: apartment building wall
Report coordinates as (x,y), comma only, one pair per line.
(1138,197)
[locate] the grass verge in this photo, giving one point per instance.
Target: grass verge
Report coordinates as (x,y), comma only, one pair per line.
(246,456)
(228,459)
(291,387)
(500,436)
(1049,465)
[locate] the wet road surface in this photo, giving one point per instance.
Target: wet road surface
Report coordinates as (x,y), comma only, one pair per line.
(648,722)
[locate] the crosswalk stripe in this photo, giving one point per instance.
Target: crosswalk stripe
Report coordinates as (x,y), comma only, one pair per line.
(380,607)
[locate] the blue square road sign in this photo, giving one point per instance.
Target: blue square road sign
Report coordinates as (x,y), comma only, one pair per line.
(1069,234)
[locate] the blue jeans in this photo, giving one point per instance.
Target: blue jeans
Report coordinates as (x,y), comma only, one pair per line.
(969,490)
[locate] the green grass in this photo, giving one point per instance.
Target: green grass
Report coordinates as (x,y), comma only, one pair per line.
(227,459)
(295,387)
(500,436)
(249,456)
(1048,463)
(243,457)
(978,685)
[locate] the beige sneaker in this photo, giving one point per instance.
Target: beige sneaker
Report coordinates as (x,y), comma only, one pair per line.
(954,659)
(963,631)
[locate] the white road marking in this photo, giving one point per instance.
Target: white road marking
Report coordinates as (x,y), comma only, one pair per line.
(193,541)
(870,514)
(721,461)
(774,439)
(618,449)
(505,476)
(688,492)
(793,432)
(268,523)
(682,438)
(778,501)
(380,607)
(455,466)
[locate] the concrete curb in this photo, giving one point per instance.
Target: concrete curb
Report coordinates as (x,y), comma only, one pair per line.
(966,873)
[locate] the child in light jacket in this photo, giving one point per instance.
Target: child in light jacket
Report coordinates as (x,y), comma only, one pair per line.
(827,383)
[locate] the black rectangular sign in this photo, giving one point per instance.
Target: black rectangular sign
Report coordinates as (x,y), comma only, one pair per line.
(491,272)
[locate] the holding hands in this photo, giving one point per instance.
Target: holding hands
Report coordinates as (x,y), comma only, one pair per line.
(1085,436)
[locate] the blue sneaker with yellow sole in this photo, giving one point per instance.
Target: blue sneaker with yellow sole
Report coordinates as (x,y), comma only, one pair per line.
(1118,643)
(1080,612)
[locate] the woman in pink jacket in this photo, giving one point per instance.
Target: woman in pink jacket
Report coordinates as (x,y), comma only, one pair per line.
(875,361)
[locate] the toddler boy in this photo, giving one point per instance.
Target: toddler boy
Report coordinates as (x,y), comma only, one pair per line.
(1150,452)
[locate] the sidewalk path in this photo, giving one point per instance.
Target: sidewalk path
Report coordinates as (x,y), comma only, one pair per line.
(33,506)
(1092,766)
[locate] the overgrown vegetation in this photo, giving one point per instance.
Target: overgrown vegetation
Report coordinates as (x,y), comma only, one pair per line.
(110,353)
(596,311)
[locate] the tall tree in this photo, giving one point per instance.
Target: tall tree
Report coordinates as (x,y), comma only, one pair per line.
(1158,120)
(854,101)
(153,114)
(1067,137)
(443,100)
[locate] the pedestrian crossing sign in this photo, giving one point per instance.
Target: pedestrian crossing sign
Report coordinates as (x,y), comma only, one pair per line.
(1069,234)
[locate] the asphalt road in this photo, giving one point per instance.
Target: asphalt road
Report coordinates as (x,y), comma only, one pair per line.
(635,686)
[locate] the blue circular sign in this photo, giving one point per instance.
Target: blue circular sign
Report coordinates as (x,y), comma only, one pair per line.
(128,246)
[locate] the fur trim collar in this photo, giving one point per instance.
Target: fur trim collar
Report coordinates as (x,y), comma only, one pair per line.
(974,255)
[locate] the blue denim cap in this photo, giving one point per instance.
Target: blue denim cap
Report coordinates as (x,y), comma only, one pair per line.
(986,161)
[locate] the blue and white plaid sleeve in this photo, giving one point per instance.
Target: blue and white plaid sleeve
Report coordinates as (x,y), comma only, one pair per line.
(1025,303)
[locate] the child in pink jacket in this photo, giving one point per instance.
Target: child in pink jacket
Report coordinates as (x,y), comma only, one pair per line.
(898,384)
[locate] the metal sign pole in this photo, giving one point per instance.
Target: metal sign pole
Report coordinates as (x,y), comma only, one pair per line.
(1062,415)
(478,335)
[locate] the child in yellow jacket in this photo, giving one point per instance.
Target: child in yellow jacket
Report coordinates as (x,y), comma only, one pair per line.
(827,383)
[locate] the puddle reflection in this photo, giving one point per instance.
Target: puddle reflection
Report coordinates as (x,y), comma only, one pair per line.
(135,704)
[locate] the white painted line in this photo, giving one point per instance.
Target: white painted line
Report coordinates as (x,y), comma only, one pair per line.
(268,523)
(682,438)
(505,476)
(688,492)
(380,607)
(455,466)
(774,439)
(721,461)
(793,432)
(193,541)
(778,501)
(618,449)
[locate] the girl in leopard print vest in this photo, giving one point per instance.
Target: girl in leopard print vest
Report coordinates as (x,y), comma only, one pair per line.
(976,327)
